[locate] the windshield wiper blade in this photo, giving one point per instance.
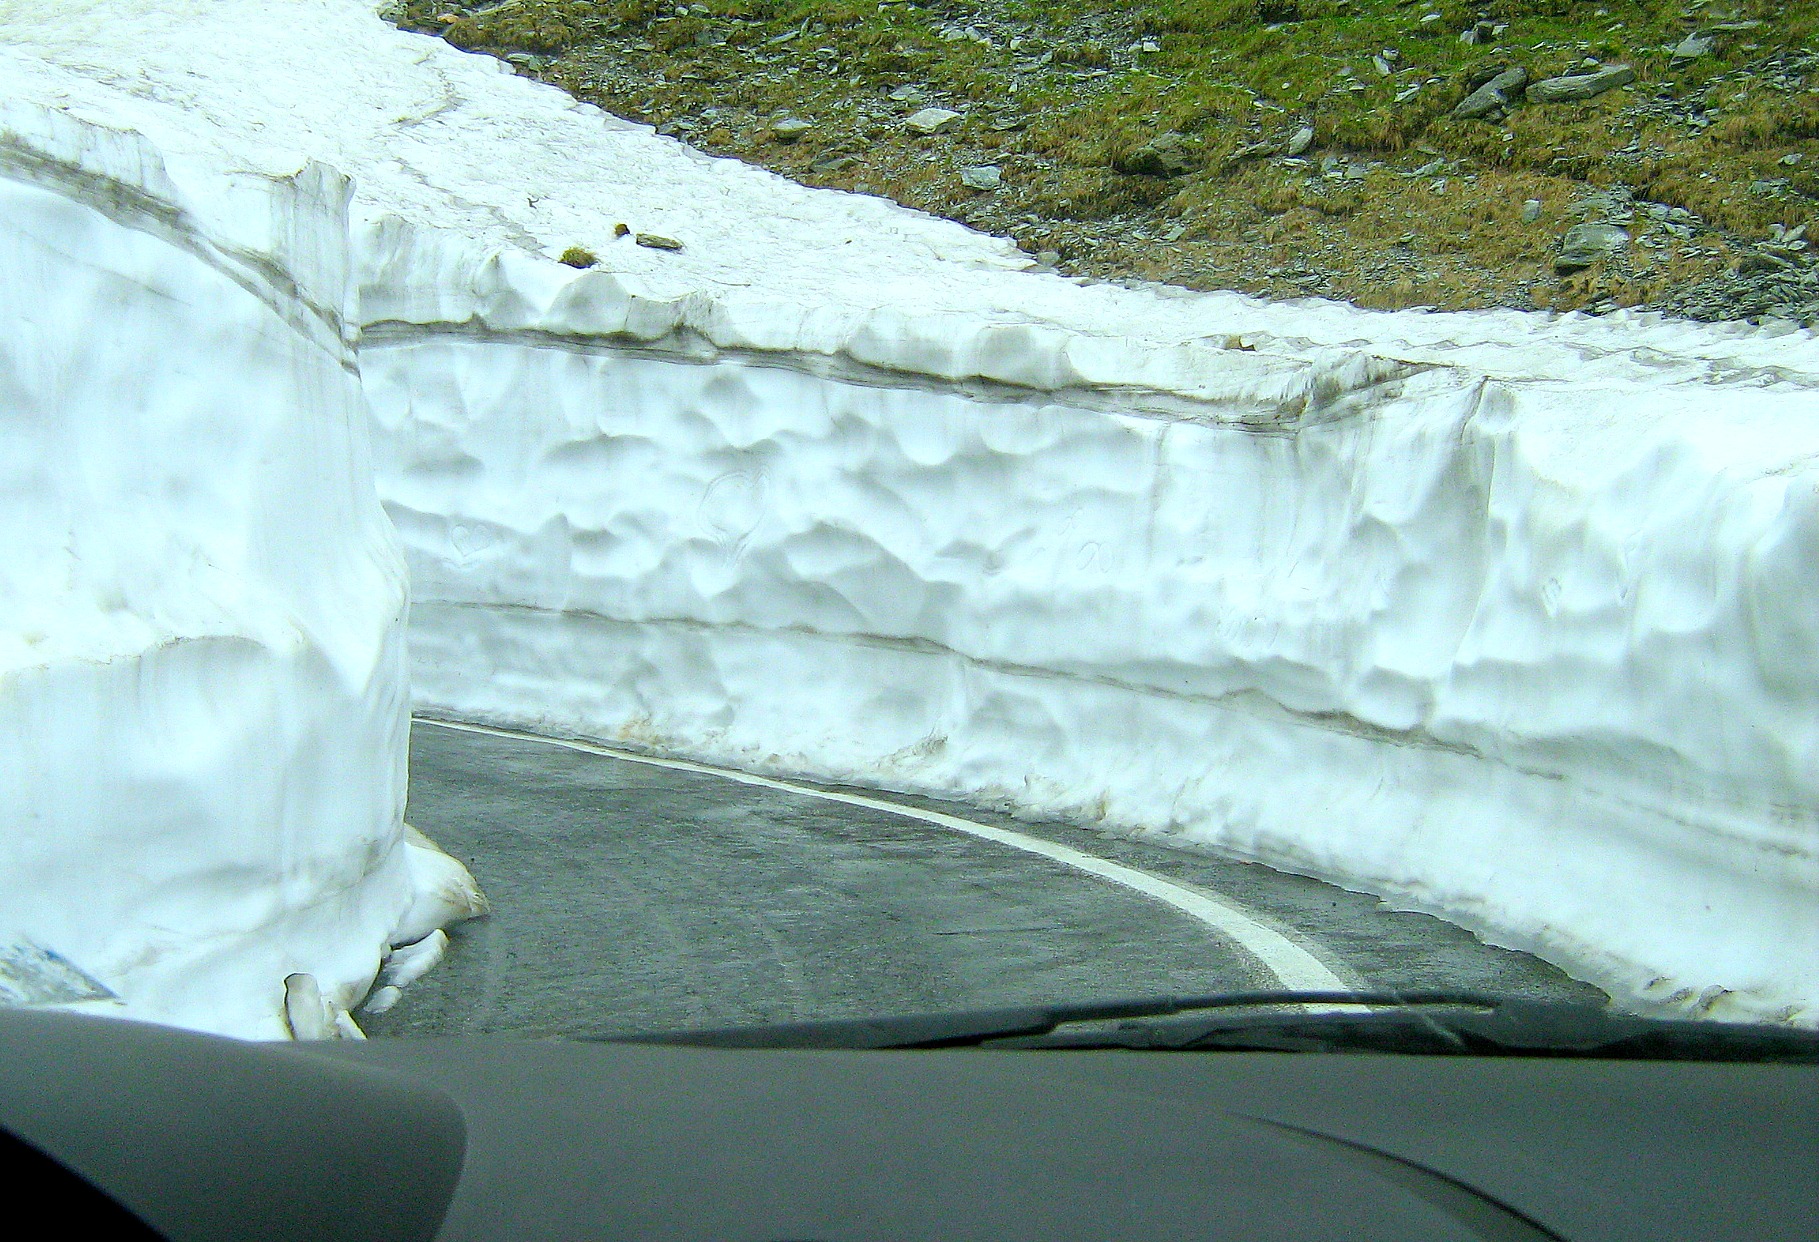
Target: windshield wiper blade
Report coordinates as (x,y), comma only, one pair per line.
(1416,1022)
(1511,1026)
(965,1028)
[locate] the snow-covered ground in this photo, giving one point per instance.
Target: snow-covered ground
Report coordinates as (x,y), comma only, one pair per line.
(1505,616)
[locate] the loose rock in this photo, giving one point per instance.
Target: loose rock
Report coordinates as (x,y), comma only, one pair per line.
(1495,95)
(1167,155)
(1585,244)
(1302,140)
(790,128)
(934,120)
(1763,261)
(1580,85)
(1531,211)
(1690,49)
(656,241)
(982,177)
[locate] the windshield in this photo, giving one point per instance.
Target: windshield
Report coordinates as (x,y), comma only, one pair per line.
(1269,525)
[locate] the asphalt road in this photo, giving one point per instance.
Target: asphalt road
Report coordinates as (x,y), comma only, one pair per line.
(634,897)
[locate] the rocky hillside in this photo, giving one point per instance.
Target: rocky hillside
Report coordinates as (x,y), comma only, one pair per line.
(1530,153)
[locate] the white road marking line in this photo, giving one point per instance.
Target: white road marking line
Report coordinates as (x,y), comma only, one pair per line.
(1294,967)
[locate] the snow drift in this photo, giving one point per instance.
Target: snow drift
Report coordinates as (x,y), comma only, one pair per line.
(203,691)
(1503,616)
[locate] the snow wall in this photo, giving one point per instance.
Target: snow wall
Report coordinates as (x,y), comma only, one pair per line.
(203,687)
(1502,616)
(1538,656)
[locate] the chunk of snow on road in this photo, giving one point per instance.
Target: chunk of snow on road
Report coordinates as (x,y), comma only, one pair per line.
(409,963)
(445,894)
(31,974)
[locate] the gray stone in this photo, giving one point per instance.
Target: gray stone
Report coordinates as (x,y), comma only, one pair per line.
(1302,140)
(1692,48)
(1531,211)
(982,177)
(1167,155)
(656,241)
(1495,95)
(1581,85)
(903,94)
(934,120)
(790,128)
(1483,72)
(1762,261)
(1586,244)
(1791,159)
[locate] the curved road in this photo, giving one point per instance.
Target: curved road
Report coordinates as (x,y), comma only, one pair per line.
(634,895)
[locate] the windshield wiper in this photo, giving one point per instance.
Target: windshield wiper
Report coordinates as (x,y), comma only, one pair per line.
(1512,1026)
(1421,1023)
(967,1027)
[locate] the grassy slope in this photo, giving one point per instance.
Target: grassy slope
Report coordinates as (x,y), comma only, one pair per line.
(1055,92)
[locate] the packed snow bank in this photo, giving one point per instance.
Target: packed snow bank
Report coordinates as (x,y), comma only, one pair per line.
(1536,656)
(1498,615)
(203,690)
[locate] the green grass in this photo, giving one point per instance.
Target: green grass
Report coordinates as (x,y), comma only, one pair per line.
(1228,74)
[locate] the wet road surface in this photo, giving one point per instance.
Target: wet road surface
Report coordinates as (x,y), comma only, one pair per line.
(632,897)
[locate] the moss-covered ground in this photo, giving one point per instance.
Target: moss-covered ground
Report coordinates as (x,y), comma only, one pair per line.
(1709,162)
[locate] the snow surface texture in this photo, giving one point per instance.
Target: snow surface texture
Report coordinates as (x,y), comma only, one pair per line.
(203,688)
(1504,616)
(1538,657)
